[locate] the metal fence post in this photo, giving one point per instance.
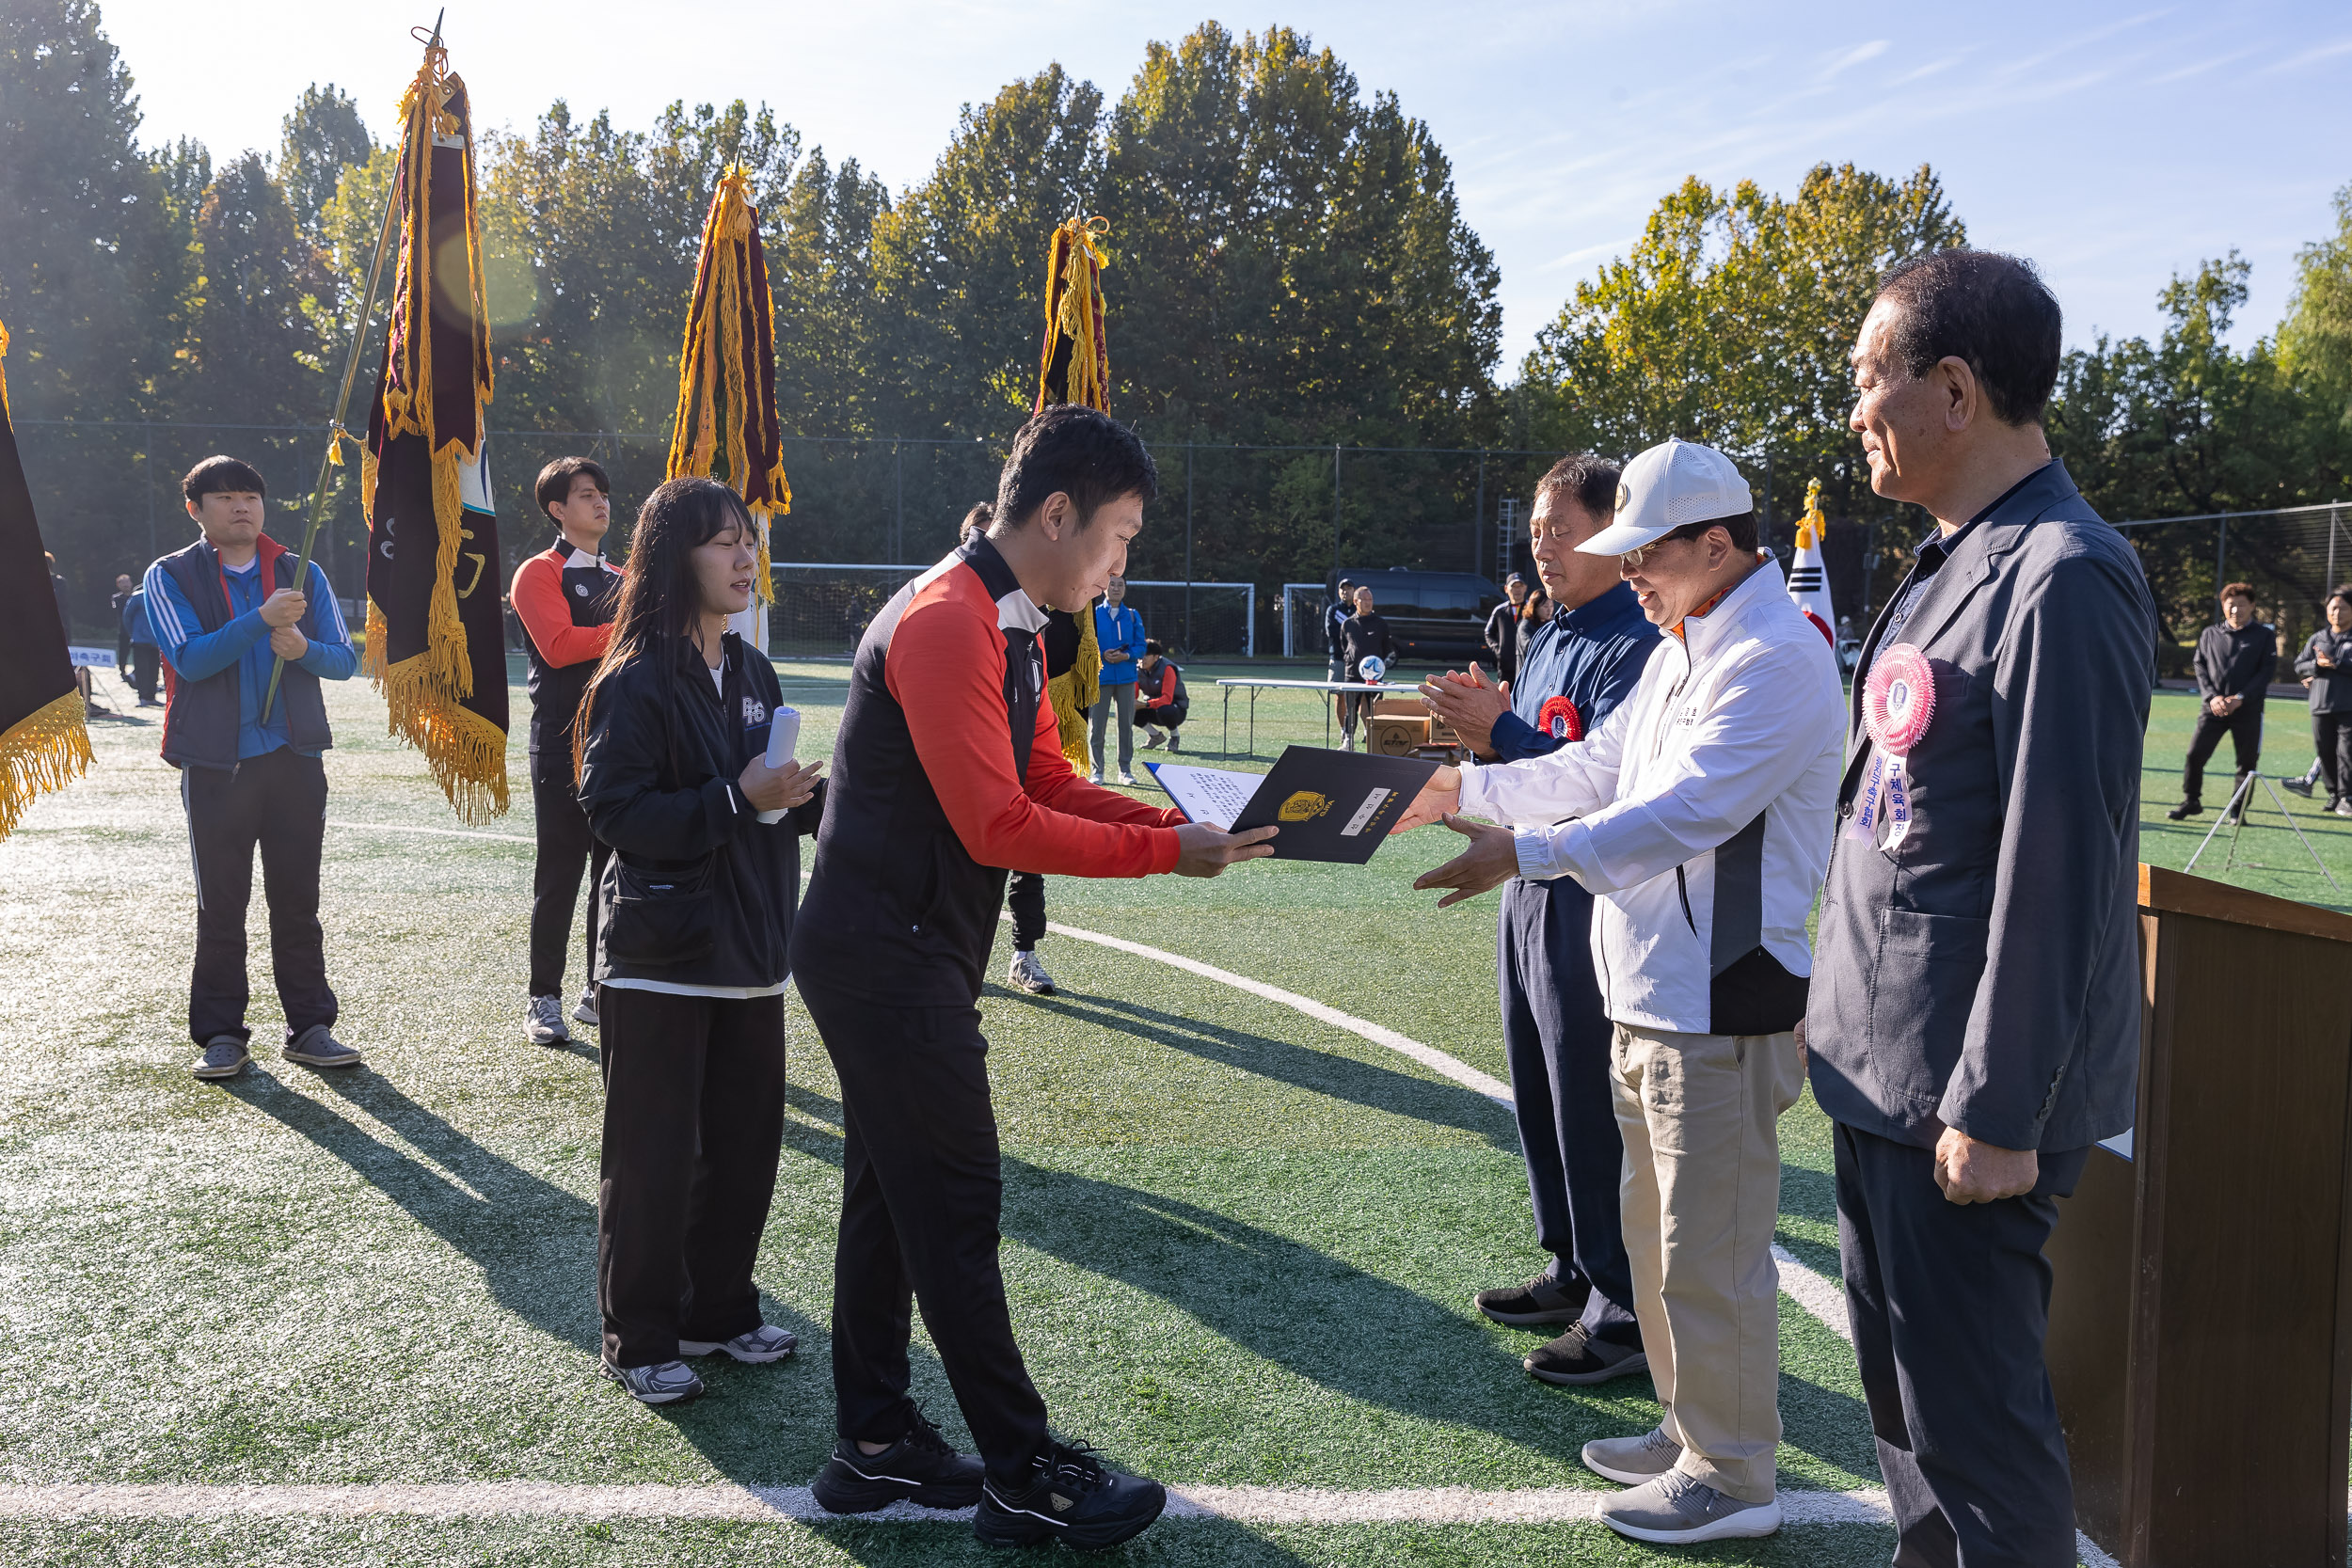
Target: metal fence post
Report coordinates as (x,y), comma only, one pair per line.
(1253,605)
(899,520)
(1335,511)
(2220,556)
(1478,517)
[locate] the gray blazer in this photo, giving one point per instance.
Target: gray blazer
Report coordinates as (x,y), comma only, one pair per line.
(1984,974)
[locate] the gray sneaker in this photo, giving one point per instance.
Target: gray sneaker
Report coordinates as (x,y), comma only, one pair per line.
(2344,808)
(762,1344)
(586,1011)
(1674,1508)
(1027,974)
(666,1383)
(543,1021)
(315,1047)
(1632,1460)
(224,1057)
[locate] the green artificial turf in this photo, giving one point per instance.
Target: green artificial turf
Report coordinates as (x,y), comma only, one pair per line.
(1240,1242)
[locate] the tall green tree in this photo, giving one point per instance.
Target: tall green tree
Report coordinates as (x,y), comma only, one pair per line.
(318,140)
(2315,340)
(95,272)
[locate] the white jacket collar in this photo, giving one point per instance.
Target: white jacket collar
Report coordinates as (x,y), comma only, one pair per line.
(1703,634)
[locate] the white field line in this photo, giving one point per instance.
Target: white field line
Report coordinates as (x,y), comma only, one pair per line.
(1253,1505)
(436,833)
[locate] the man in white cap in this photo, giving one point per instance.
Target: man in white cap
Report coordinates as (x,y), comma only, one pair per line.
(1700,813)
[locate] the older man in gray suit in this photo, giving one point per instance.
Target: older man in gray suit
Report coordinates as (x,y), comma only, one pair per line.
(1974,1017)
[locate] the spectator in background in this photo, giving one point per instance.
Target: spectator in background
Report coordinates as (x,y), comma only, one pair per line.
(1366,634)
(225,610)
(1536,614)
(2326,666)
(1119,631)
(565,597)
(1335,624)
(1503,639)
(2234,663)
(1161,697)
(144,654)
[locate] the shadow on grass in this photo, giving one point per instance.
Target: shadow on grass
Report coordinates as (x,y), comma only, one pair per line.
(1323,1072)
(535,1244)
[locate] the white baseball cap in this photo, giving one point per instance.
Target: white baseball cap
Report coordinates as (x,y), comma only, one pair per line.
(1672,484)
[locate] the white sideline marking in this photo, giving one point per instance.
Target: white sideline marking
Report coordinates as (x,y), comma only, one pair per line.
(1253,1505)
(437,832)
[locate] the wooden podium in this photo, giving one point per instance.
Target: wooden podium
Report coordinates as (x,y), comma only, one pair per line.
(2200,1322)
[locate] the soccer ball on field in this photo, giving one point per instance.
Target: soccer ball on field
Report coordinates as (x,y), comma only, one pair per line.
(1374,668)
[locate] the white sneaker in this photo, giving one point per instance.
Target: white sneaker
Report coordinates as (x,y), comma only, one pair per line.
(586,1011)
(1128,779)
(543,1021)
(1026,973)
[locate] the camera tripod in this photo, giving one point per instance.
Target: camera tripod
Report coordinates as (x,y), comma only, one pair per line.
(2234,817)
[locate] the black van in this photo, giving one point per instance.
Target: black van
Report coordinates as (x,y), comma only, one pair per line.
(1436,616)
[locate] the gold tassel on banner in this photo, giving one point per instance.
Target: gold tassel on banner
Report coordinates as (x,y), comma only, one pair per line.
(1076,363)
(44,728)
(726,426)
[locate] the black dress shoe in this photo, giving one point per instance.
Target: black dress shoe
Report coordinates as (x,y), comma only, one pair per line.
(1068,1497)
(1541,1299)
(2186,810)
(1577,1358)
(921,1467)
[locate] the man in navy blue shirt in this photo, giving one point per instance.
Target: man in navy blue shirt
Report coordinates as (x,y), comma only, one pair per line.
(1572,672)
(225,610)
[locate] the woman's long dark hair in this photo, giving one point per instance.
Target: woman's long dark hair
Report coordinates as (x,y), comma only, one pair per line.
(660,597)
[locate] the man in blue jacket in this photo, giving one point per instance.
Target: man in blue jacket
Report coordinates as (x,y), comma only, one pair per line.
(1119,631)
(223,610)
(1576,668)
(1975,1011)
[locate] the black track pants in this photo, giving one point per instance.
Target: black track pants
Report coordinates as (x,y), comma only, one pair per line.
(1026,897)
(693,1120)
(566,848)
(921,1186)
(2244,728)
(277,804)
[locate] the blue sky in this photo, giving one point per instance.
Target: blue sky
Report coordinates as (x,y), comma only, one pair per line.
(2115,145)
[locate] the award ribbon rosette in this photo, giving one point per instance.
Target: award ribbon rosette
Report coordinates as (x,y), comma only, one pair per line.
(1558,719)
(1898,704)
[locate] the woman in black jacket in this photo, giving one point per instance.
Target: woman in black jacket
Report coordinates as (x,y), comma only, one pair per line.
(696,905)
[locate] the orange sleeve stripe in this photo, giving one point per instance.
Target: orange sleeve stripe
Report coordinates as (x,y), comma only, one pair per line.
(946,667)
(538,596)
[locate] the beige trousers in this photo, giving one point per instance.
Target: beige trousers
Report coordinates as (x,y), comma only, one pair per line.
(1700,1115)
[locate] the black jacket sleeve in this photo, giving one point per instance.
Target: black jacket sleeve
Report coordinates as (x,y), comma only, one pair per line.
(623,774)
(2266,667)
(2211,655)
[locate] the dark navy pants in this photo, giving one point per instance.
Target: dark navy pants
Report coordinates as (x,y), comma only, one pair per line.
(1557,1040)
(1949,1304)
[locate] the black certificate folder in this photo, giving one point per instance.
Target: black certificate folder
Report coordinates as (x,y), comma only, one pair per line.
(1330,805)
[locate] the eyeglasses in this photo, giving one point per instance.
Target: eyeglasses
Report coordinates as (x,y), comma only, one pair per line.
(1632,559)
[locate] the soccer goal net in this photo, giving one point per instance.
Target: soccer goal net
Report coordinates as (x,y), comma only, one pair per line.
(1303,607)
(822,608)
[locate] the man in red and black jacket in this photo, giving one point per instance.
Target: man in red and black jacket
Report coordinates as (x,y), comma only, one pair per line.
(946,773)
(564,596)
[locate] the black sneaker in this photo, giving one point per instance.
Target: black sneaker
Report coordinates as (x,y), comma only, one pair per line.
(921,1467)
(1577,1358)
(2186,810)
(2300,786)
(1541,1299)
(1068,1498)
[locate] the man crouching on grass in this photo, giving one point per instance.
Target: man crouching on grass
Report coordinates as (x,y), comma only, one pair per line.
(947,766)
(1699,813)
